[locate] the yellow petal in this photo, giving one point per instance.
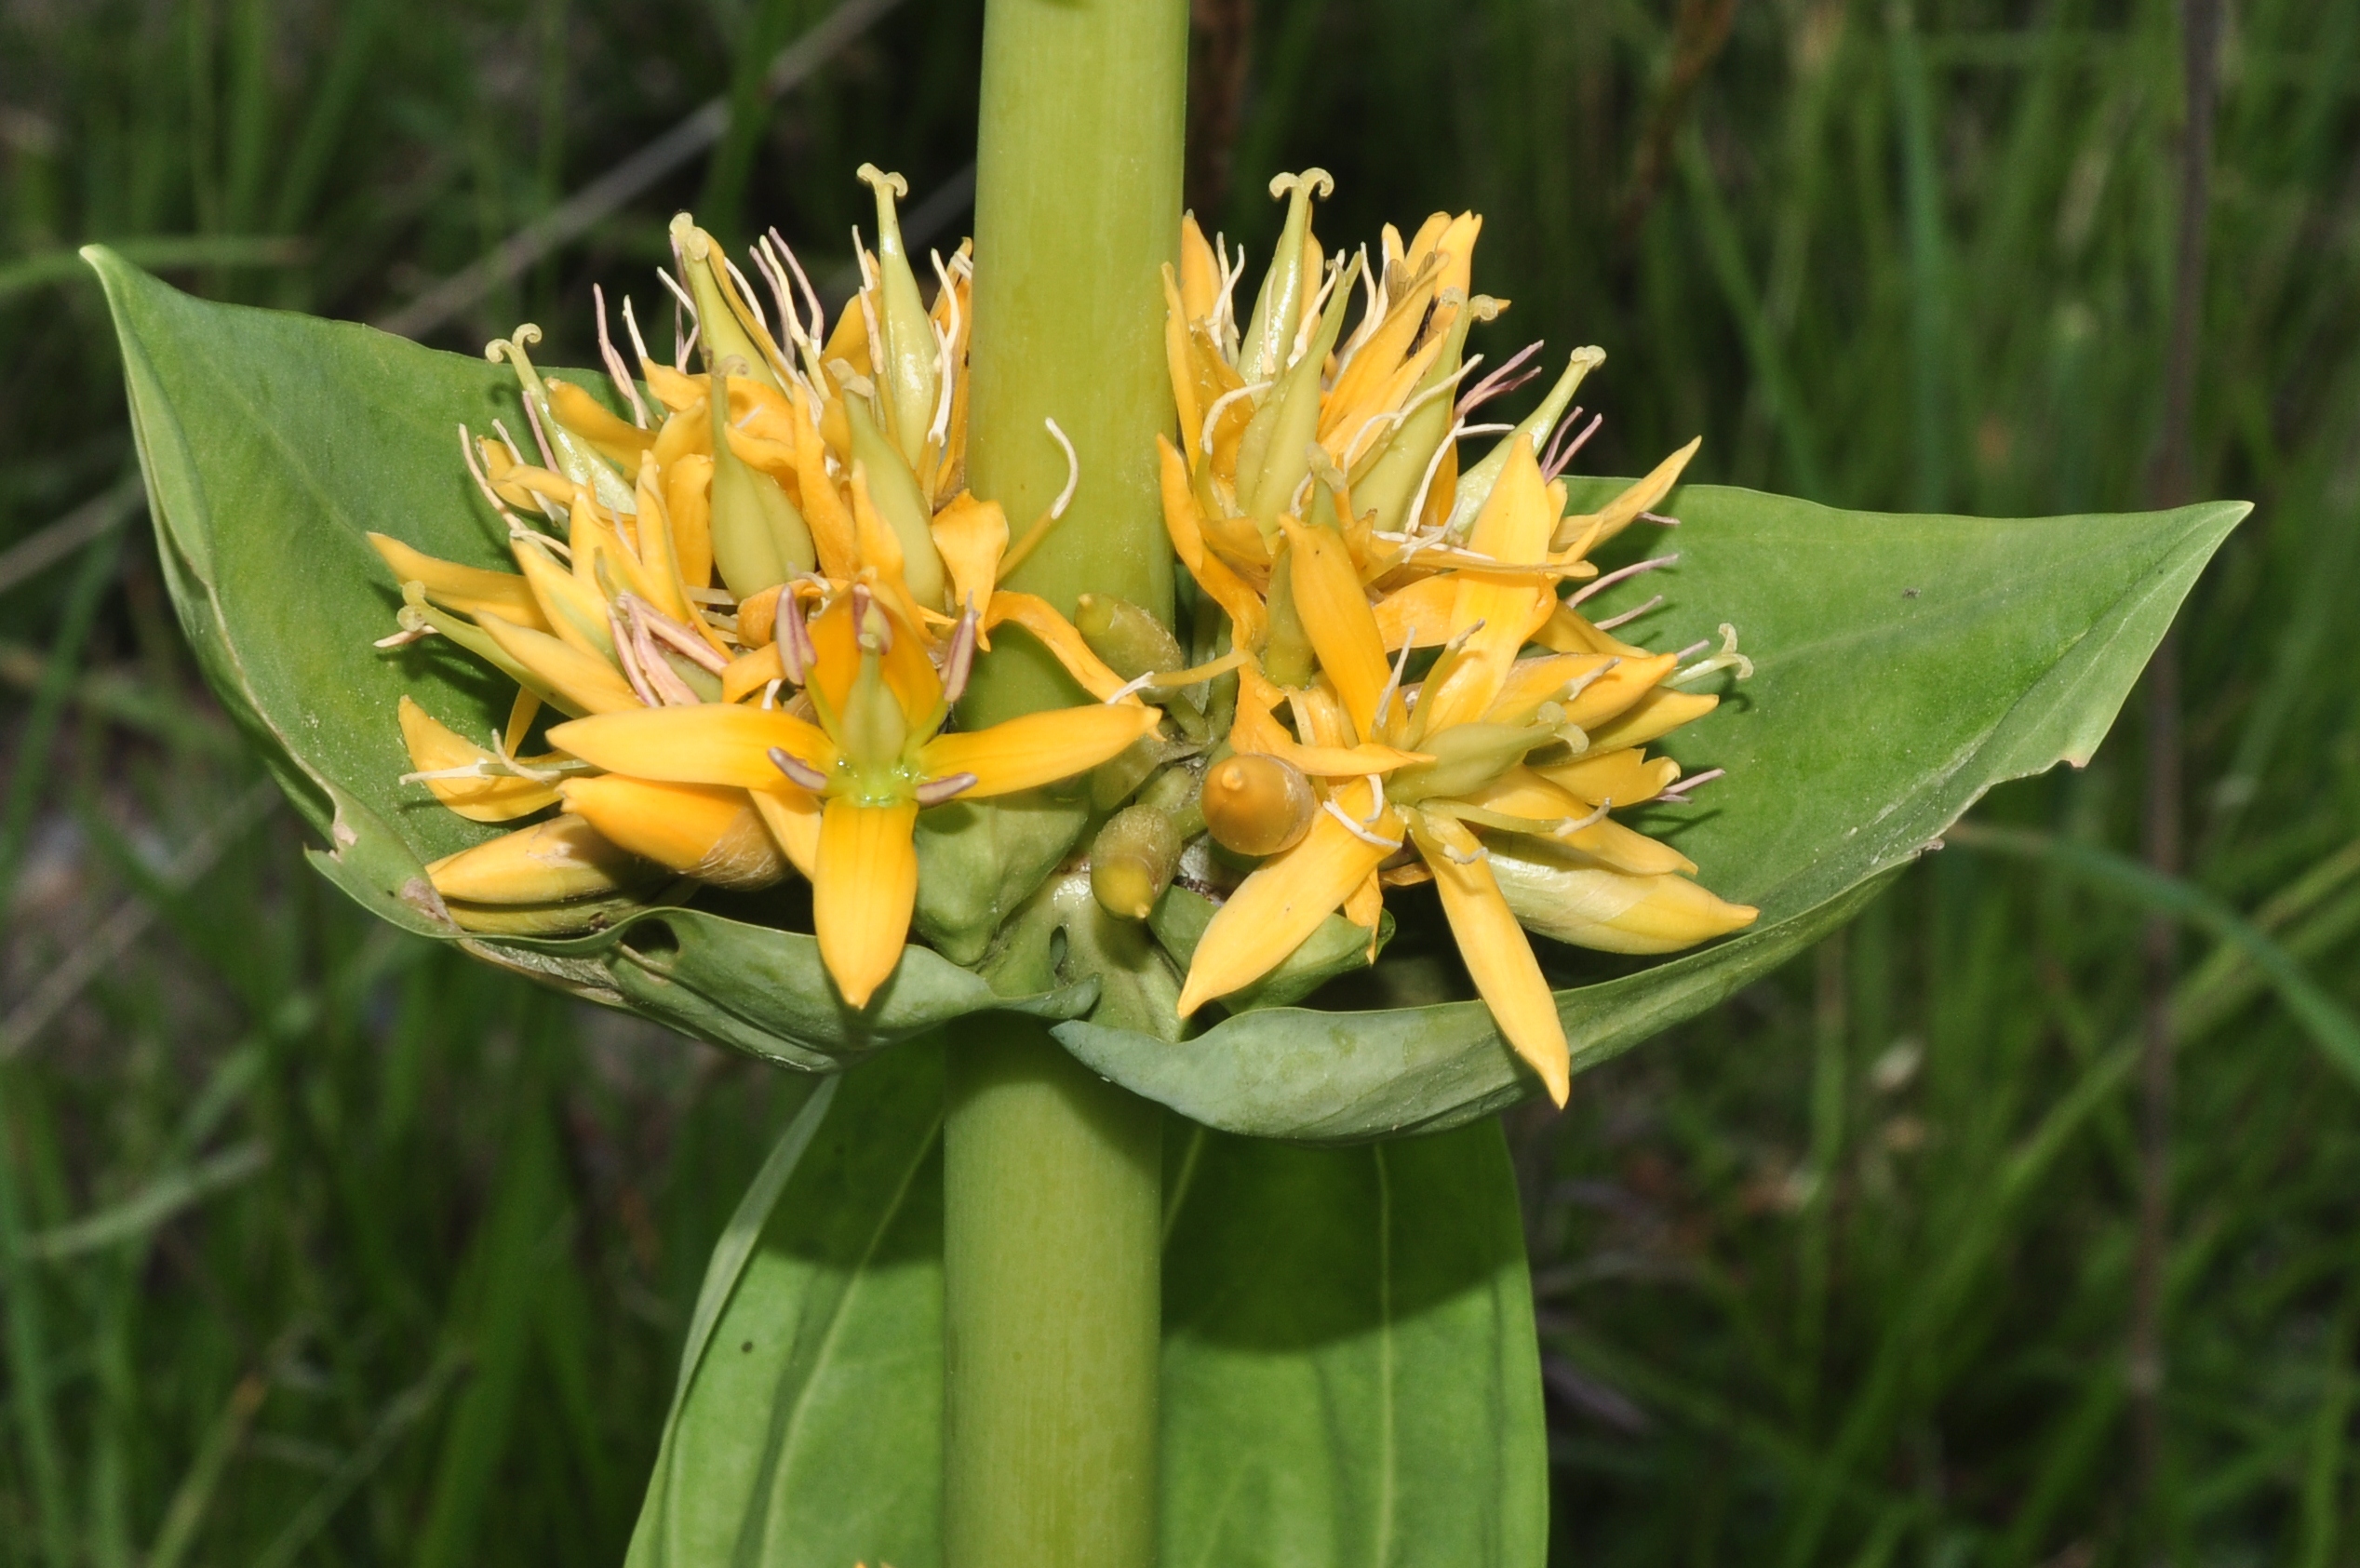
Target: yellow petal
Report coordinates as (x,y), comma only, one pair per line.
(749,673)
(1422,610)
(698,830)
(793,817)
(1531,682)
(1255,729)
(575,610)
(1658,712)
(971,536)
(687,501)
(1185,522)
(498,798)
(862,891)
(1620,513)
(1058,634)
(1335,612)
(1565,897)
(824,512)
(1497,956)
(1566,632)
(618,440)
(1625,777)
(1037,748)
(709,743)
(589,683)
(562,858)
(469,590)
(1615,693)
(1277,907)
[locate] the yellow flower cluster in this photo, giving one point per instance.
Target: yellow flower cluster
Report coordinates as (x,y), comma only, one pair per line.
(1318,502)
(754,603)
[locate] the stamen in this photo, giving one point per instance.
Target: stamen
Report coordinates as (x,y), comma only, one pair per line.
(1377,786)
(797,771)
(934,792)
(1372,315)
(1694,648)
(404,638)
(540,437)
(959,656)
(681,639)
(1572,826)
(1433,466)
(1676,794)
(1132,687)
(1357,831)
(1472,857)
(946,336)
(1590,589)
(810,295)
(745,292)
(1611,623)
(1556,461)
(474,470)
(631,325)
(686,302)
(1659,519)
(1394,681)
(796,652)
(1041,525)
(627,656)
(616,371)
(1204,438)
(1310,323)
(1582,683)
(770,694)
(1501,382)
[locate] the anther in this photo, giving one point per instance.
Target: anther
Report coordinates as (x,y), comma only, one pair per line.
(797,771)
(934,792)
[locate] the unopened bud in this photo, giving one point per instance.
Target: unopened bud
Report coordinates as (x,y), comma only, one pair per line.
(1132,861)
(1132,641)
(1257,805)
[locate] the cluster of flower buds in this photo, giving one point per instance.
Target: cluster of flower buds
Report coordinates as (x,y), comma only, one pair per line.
(1419,698)
(754,605)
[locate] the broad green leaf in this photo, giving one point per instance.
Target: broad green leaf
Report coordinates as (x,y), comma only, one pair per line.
(1903,666)
(1350,1374)
(271,443)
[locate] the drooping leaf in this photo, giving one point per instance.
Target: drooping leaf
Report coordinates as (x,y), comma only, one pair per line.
(1350,1374)
(272,444)
(1903,666)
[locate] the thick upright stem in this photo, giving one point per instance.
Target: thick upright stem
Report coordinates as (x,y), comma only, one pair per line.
(1077,208)
(1052,1261)
(1052,1279)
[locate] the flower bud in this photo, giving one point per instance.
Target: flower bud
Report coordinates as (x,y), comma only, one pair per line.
(1132,641)
(563,858)
(1257,805)
(1132,861)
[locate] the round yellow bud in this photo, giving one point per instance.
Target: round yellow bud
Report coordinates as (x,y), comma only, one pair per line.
(1257,805)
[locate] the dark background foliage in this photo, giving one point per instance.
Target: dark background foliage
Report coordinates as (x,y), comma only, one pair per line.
(325,1246)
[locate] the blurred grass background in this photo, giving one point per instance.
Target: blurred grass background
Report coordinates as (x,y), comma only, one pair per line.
(324,1246)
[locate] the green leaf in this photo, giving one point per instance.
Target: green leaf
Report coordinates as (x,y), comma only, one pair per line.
(1349,1373)
(271,443)
(1903,666)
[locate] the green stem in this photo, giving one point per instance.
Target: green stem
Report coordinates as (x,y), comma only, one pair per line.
(1053,1278)
(1076,209)
(1051,1177)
